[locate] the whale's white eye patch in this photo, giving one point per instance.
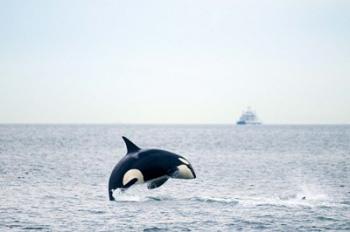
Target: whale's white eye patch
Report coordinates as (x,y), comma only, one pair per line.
(132,174)
(184,161)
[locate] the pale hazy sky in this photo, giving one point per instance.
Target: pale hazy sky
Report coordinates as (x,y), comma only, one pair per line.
(177,61)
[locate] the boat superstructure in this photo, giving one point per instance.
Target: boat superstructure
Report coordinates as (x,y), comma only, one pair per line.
(248,117)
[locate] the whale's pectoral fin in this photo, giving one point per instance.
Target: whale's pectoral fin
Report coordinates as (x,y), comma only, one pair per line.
(173,173)
(131,182)
(157,183)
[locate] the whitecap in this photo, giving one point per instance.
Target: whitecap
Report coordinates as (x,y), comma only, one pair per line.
(216,200)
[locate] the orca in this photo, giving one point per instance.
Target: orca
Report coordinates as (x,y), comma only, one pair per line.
(151,166)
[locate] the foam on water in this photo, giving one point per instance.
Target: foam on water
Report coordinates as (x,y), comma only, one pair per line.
(143,198)
(290,201)
(209,199)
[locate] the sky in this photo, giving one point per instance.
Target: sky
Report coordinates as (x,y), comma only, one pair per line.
(184,61)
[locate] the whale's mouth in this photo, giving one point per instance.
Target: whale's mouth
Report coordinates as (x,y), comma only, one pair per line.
(193,173)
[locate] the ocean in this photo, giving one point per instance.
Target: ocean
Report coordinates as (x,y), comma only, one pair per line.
(249,178)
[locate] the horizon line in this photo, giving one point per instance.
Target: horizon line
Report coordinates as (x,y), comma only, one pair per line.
(163,124)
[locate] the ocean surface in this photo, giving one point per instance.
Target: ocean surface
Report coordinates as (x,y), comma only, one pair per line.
(249,178)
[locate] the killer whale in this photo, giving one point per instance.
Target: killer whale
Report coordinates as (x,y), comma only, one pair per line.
(151,166)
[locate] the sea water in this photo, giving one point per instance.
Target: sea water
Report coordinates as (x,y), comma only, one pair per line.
(249,178)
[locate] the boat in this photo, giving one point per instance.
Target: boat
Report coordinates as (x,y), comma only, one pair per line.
(248,117)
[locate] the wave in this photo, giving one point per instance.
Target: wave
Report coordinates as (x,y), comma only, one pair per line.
(303,197)
(153,229)
(280,202)
(216,200)
(203,199)
(345,202)
(294,200)
(139,198)
(284,201)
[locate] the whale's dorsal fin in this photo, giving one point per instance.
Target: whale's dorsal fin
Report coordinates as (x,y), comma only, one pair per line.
(131,147)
